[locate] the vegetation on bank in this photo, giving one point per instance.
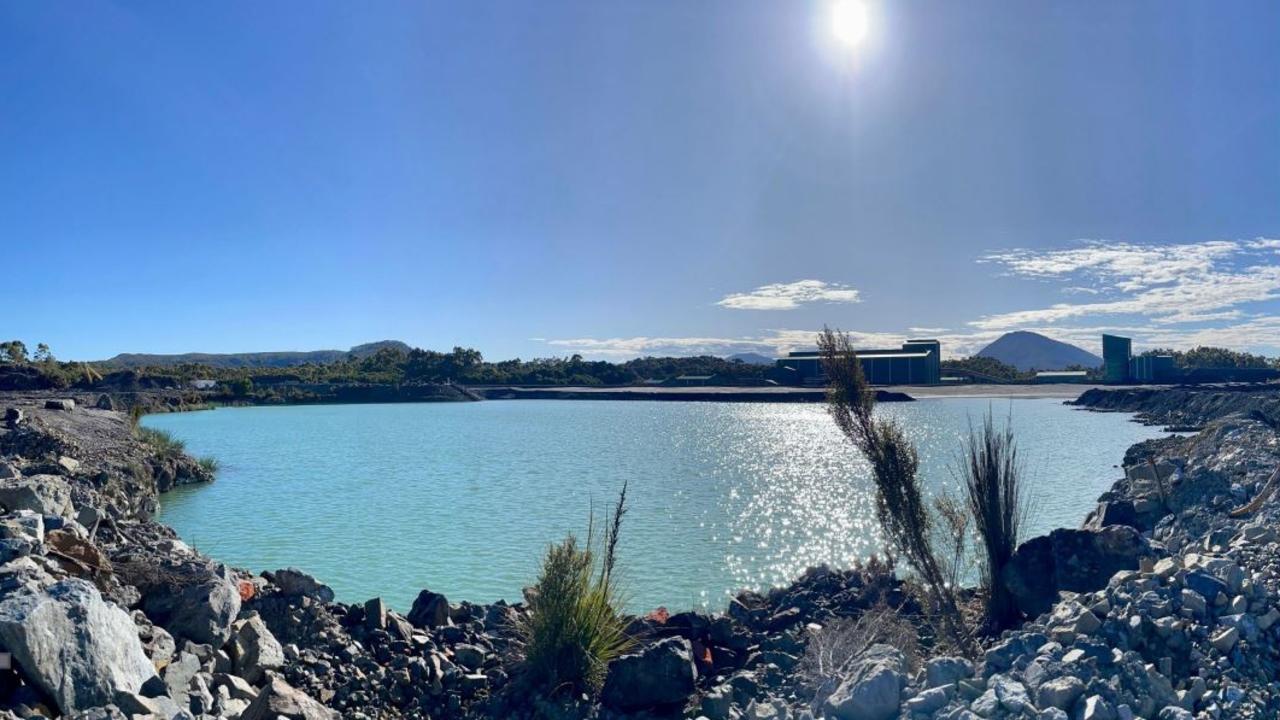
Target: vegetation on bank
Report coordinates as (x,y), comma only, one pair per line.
(388,365)
(162,441)
(574,627)
(932,540)
(392,363)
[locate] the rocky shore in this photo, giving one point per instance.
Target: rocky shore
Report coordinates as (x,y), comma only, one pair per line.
(1163,605)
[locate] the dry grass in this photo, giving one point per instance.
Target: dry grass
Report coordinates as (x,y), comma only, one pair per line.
(834,651)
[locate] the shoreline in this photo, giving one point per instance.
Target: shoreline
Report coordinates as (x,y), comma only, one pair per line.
(291,607)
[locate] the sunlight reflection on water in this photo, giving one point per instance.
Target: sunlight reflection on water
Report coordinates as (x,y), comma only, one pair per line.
(388,499)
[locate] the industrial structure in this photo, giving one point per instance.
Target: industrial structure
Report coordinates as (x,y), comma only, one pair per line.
(917,362)
(1119,365)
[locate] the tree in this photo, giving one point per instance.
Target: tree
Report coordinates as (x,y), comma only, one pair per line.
(43,353)
(14,351)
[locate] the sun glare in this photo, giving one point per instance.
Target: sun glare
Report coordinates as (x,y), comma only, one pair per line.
(850,21)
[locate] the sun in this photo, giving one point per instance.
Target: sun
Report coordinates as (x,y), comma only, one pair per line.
(850,21)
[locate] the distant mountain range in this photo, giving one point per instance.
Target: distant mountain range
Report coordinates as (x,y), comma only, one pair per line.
(1033,351)
(255,359)
(751,358)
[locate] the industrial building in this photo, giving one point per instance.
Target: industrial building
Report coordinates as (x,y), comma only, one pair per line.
(1116,353)
(917,362)
(1121,366)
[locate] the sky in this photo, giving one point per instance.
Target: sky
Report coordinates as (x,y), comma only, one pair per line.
(637,178)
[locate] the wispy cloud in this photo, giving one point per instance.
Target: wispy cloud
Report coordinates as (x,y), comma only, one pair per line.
(1163,284)
(789,296)
(1172,296)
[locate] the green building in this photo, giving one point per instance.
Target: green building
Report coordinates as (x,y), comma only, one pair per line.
(1116,353)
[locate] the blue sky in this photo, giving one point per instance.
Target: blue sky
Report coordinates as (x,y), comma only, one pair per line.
(617,179)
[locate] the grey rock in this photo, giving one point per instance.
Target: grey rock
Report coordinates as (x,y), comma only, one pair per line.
(254,650)
(873,689)
(77,648)
(375,614)
(135,705)
(660,674)
(1226,639)
(717,703)
(1074,560)
(200,609)
(469,656)
(1097,708)
(178,674)
(430,610)
(63,404)
(280,700)
(293,581)
(1060,693)
(930,701)
(43,494)
(946,671)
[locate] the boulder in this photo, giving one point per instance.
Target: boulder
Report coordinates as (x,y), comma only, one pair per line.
(13,416)
(1060,693)
(198,605)
(872,691)
(64,404)
(375,614)
(279,700)
(45,494)
(293,581)
(179,673)
(943,671)
(105,402)
(254,650)
(430,610)
(77,648)
(659,674)
(1073,560)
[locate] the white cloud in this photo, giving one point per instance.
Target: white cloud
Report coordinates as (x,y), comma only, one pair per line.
(1164,284)
(789,296)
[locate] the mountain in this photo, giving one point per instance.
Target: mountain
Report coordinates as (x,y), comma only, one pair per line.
(255,359)
(1033,351)
(751,358)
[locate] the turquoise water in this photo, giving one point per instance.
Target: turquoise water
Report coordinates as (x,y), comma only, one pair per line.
(384,500)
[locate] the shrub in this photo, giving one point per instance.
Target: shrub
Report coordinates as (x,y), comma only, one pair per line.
(834,649)
(573,628)
(162,441)
(998,503)
(900,506)
(209,464)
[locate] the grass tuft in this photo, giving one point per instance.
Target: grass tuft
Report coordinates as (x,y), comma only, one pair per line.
(998,503)
(162,441)
(573,628)
(209,464)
